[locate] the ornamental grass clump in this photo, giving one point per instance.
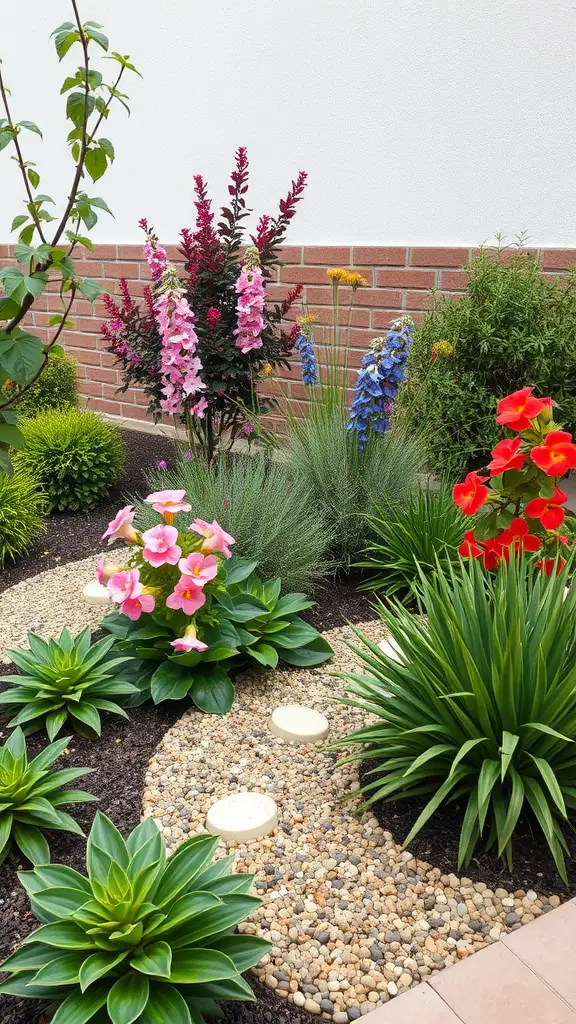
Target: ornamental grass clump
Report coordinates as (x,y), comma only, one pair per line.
(31,796)
(144,937)
(75,456)
(23,508)
(480,708)
(66,679)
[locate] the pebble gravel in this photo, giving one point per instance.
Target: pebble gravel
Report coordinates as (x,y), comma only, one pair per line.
(353,919)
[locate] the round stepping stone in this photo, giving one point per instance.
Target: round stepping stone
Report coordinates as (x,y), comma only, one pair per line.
(243,816)
(95,593)
(391,648)
(299,724)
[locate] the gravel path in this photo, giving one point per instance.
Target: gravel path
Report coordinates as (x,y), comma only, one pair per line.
(353,919)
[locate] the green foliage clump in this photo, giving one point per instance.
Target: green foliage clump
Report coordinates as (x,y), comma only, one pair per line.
(512,327)
(413,538)
(143,938)
(345,482)
(479,708)
(23,508)
(31,796)
(272,517)
(56,388)
(66,679)
(74,454)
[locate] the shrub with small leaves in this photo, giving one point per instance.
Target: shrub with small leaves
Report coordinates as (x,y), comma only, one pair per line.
(56,388)
(143,938)
(74,454)
(31,796)
(22,512)
(63,679)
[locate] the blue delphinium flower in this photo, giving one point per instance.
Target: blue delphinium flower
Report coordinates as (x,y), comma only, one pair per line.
(379,378)
(306,351)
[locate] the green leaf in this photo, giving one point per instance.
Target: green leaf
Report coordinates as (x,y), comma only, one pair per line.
(195,966)
(63,970)
(89,289)
(244,950)
(18,221)
(213,692)
(79,1007)
(95,36)
(107,147)
(8,308)
(33,177)
(314,653)
(156,959)
(97,966)
(64,39)
(32,843)
(239,569)
(6,138)
(11,278)
(30,126)
(11,435)
(99,204)
(170,682)
(166,1006)
(127,998)
(76,106)
(95,162)
(20,356)
(35,284)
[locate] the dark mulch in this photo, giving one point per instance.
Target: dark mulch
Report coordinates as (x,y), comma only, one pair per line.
(74,535)
(437,843)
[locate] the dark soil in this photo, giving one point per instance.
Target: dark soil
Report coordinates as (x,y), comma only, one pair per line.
(74,535)
(437,843)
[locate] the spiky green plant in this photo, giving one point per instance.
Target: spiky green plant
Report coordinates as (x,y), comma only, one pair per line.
(143,938)
(75,456)
(411,538)
(273,518)
(66,679)
(23,508)
(480,707)
(31,796)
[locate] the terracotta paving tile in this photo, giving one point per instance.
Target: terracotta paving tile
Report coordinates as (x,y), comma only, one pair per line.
(418,1006)
(495,987)
(547,946)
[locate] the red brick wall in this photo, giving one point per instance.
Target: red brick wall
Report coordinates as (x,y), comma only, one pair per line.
(399,281)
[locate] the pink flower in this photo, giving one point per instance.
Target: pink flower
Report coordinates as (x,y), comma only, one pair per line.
(168,503)
(123,584)
(215,538)
(250,303)
(186,596)
(188,642)
(105,570)
(134,606)
(160,547)
(199,408)
(121,526)
(199,567)
(213,317)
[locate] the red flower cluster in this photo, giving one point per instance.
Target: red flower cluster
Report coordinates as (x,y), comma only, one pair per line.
(520,485)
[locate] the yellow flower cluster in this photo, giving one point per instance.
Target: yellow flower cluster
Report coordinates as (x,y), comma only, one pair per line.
(442,348)
(340,276)
(305,320)
(267,369)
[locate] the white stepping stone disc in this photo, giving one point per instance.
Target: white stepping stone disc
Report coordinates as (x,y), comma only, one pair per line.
(95,593)
(299,724)
(243,816)
(391,648)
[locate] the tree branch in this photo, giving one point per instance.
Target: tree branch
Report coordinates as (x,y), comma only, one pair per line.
(21,161)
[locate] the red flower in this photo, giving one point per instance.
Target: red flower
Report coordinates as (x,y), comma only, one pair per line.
(494,552)
(469,547)
(556,455)
(547,565)
(516,410)
(506,457)
(471,495)
(519,537)
(548,510)
(213,317)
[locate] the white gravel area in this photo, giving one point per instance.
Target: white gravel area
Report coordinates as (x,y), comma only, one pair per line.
(353,919)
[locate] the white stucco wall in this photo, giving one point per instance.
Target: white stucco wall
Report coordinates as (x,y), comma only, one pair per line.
(419,121)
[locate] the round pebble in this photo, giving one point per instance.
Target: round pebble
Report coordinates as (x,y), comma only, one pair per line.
(243,816)
(95,593)
(298,724)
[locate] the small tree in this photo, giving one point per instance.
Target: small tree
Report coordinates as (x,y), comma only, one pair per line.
(42,250)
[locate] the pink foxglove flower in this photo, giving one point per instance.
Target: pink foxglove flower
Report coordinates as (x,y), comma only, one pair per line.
(215,538)
(168,503)
(188,642)
(160,547)
(201,568)
(186,596)
(121,526)
(250,303)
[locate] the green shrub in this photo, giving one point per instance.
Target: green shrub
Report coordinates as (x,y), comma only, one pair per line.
(56,388)
(143,937)
(23,507)
(345,482)
(74,454)
(412,538)
(273,519)
(512,327)
(31,796)
(481,706)
(66,679)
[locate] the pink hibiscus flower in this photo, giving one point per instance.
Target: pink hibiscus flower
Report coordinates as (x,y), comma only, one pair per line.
(168,503)
(215,538)
(186,596)
(160,547)
(121,526)
(126,590)
(188,642)
(201,568)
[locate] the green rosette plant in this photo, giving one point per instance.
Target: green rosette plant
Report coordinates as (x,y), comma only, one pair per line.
(478,707)
(31,797)
(142,938)
(66,680)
